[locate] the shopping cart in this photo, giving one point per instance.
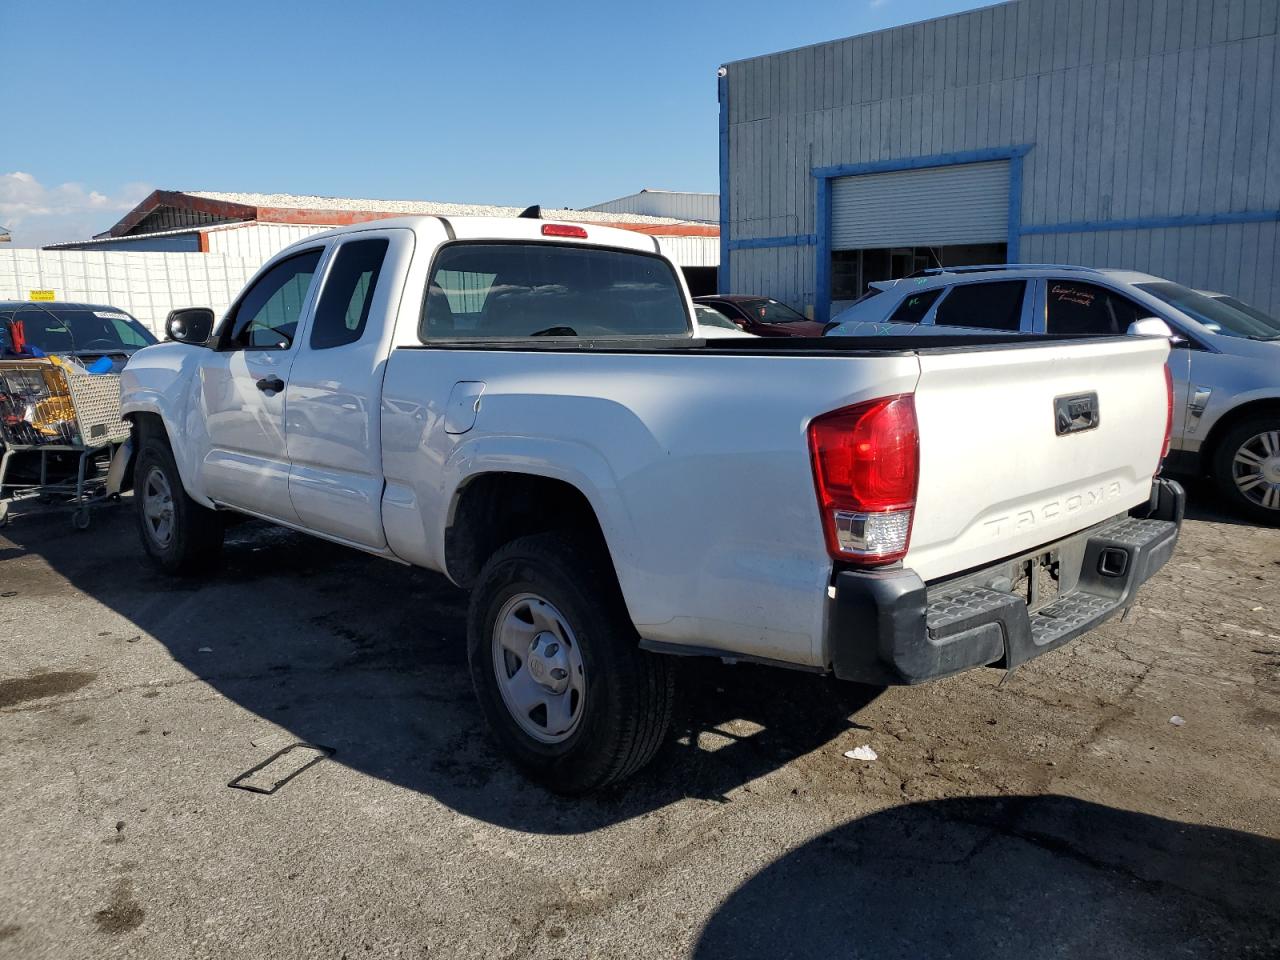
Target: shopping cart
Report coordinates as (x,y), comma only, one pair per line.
(49,408)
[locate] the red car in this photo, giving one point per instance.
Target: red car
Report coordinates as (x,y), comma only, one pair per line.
(762,316)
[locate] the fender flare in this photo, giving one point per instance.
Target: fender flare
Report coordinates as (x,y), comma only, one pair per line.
(152,404)
(576,464)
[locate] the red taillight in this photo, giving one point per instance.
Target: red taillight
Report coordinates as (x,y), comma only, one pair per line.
(866,467)
(563,230)
(1168,421)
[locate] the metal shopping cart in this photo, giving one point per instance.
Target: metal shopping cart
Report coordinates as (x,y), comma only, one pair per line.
(51,409)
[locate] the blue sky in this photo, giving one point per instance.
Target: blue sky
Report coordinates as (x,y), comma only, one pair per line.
(560,103)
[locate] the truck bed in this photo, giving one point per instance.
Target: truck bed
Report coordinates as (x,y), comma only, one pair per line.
(695,459)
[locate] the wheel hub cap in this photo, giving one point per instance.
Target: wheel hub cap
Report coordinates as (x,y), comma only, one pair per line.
(549,663)
(1256,469)
(539,668)
(157,507)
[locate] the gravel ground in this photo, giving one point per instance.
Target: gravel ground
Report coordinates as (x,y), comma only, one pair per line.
(1059,814)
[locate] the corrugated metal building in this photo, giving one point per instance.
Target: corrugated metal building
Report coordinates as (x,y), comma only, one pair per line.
(1142,134)
(701,207)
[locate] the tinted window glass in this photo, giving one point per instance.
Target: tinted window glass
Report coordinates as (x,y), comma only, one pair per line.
(1224,315)
(913,309)
(505,290)
(1085,308)
(343,309)
(992,306)
(68,330)
(708,317)
(267,316)
(770,311)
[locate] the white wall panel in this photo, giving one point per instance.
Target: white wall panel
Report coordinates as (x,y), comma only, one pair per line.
(259,241)
(146,285)
(692,251)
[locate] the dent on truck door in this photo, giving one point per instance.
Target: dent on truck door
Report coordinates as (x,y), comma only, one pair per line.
(334,420)
(245,387)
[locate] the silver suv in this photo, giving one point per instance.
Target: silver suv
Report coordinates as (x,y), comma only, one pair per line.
(1225,362)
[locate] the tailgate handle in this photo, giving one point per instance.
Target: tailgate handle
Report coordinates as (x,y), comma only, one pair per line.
(1075,413)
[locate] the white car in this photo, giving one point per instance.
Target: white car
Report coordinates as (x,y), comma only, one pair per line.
(714,325)
(1225,362)
(524,406)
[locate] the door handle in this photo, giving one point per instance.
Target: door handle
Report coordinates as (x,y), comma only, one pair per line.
(270,384)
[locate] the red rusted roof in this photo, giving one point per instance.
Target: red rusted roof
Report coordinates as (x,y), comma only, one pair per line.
(341,212)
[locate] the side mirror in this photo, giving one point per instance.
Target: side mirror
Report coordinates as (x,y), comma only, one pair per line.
(1150,327)
(1155,327)
(190,325)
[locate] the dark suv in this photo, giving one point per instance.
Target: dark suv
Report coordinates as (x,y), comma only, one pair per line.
(86,331)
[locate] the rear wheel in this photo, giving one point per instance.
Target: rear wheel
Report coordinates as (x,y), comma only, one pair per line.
(179,535)
(557,666)
(1246,468)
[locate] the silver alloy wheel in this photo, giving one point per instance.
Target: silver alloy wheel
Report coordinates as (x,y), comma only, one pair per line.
(1256,469)
(539,668)
(157,507)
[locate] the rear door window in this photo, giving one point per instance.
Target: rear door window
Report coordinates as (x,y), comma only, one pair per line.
(991,306)
(914,308)
(1072,307)
(495,291)
(343,309)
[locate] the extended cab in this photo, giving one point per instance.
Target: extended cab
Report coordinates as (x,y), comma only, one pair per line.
(524,406)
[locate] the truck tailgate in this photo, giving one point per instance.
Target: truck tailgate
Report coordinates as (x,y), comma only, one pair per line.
(1000,476)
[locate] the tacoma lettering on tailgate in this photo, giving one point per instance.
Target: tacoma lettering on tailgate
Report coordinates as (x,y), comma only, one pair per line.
(1027,519)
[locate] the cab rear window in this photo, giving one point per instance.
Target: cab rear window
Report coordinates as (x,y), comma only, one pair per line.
(497,291)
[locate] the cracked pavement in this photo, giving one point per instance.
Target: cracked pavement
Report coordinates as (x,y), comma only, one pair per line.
(1060,814)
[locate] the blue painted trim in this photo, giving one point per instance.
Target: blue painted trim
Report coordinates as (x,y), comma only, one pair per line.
(1012,252)
(822,278)
(722,276)
(824,176)
(923,163)
(1153,223)
(756,243)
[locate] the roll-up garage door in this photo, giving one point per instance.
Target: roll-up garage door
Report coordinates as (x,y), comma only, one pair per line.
(965,203)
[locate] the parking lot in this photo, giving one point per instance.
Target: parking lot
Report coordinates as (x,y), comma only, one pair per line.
(1056,813)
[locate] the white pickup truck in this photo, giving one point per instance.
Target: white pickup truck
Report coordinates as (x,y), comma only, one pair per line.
(523,405)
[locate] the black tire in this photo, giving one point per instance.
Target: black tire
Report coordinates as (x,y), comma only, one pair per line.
(1224,477)
(629,693)
(195,544)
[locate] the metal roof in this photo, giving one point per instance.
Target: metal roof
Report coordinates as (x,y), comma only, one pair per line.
(409,207)
(167,211)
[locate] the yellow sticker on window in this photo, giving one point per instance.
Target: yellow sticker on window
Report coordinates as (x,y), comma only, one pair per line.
(42,295)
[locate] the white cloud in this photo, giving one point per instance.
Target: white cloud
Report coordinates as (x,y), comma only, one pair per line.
(37,214)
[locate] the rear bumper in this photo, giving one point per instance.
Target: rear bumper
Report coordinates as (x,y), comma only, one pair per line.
(889,627)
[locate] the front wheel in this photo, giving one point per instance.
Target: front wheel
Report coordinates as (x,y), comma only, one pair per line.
(179,535)
(557,666)
(1246,468)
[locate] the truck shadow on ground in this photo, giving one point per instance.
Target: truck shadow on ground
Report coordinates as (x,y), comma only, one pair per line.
(1008,877)
(368,657)
(1205,503)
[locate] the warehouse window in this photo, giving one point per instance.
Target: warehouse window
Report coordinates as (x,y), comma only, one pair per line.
(344,304)
(853,270)
(992,306)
